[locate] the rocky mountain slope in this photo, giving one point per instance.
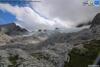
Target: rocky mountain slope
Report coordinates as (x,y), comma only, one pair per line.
(58,50)
(12,29)
(4,38)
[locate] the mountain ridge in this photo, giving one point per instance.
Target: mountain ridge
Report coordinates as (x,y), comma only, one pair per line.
(12,29)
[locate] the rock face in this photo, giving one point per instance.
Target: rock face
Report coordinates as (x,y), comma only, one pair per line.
(95,27)
(12,29)
(19,58)
(4,38)
(51,56)
(96,20)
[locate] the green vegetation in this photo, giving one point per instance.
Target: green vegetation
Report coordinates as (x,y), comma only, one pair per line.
(46,57)
(83,58)
(40,56)
(13,60)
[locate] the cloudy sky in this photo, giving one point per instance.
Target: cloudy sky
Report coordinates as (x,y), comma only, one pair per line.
(46,13)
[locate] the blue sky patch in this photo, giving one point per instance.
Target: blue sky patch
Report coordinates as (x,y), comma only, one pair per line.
(6,17)
(20,3)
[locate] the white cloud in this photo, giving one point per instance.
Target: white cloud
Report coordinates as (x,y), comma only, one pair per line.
(61,13)
(67,10)
(29,19)
(26,17)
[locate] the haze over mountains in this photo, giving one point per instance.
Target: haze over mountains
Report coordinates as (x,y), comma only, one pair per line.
(43,50)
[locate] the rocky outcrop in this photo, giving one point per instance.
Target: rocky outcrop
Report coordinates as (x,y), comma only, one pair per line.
(96,21)
(51,56)
(56,54)
(4,39)
(19,58)
(12,29)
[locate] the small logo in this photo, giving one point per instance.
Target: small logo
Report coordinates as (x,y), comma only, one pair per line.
(96,3)
(92,3)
